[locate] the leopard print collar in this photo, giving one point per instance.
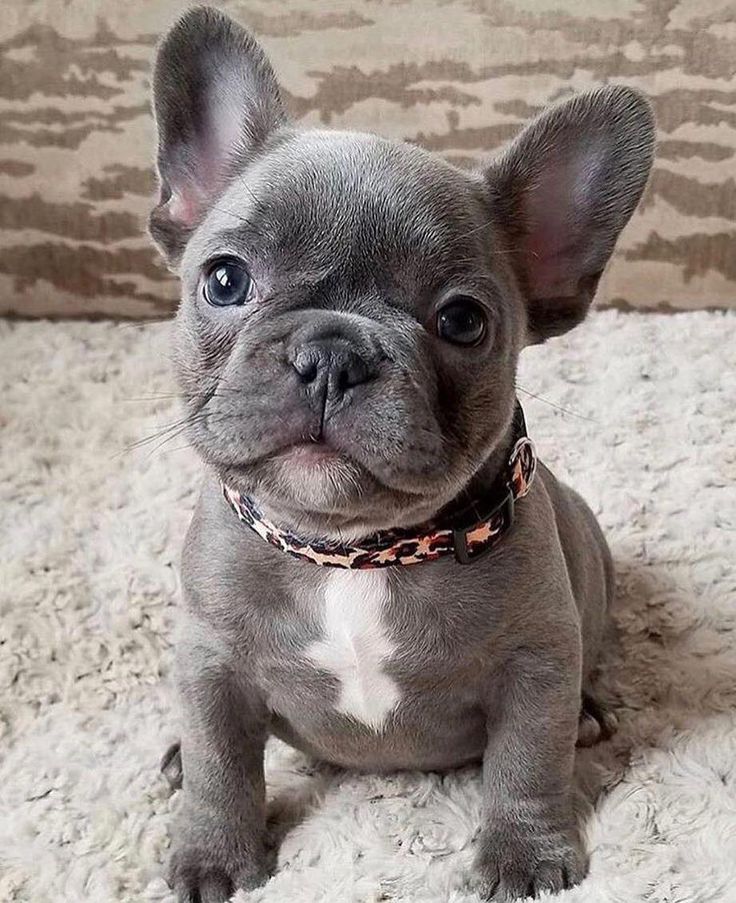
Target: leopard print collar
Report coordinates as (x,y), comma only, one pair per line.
(467,538)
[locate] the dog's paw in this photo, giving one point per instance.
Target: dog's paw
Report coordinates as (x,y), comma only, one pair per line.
(199,874)
(512,866)
(597,721)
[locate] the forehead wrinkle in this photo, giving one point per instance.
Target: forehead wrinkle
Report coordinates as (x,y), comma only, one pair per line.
(241,242)
(326,201)
(344,180)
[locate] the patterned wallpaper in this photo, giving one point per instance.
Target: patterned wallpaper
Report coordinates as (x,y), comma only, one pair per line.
(456,76)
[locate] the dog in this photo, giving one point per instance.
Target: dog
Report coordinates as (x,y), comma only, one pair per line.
(378,571)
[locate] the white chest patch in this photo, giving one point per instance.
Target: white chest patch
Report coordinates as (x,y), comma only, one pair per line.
(355,644)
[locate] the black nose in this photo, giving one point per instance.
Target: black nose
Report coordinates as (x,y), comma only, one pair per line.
(329,368)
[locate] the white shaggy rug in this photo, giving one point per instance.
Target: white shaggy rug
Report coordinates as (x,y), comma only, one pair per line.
(640,418)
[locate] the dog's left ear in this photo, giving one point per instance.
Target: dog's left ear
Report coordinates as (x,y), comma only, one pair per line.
(216,101)
(563,191)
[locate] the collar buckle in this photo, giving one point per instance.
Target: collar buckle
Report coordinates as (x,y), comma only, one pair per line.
(460,534)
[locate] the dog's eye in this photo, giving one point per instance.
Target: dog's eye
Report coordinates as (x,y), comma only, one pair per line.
(461,321)
(227,283)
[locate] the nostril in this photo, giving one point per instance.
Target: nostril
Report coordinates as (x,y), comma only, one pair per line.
(353,372)
(306,365)
(332,366)
(343,380)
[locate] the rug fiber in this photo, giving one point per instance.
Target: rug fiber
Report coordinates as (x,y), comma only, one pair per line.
(636,411)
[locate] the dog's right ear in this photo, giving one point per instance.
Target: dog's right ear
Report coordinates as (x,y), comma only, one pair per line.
(216,102)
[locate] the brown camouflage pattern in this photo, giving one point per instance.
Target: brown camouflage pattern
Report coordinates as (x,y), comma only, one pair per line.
(456,76)
(404,547)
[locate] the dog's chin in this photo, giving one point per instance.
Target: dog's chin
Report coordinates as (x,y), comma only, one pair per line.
(317,490)
(316,478)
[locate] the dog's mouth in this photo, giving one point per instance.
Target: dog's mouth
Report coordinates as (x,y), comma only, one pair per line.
(340,461)
(341,479)
(310,454)
(326,490)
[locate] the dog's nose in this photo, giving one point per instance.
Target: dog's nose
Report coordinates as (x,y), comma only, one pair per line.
(329,368)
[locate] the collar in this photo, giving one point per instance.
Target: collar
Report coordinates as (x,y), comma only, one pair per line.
(470,533)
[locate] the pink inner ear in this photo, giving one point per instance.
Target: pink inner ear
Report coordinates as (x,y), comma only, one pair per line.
(556,210)
(194,192)
(547,275)
(202,179)
(182,208)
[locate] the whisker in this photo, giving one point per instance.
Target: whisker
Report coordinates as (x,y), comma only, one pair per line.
(236,216)
(166,439)
(242,181)
(170,428)
(149,321)
(556,406)
(177,448)
(173,396)
(197,418)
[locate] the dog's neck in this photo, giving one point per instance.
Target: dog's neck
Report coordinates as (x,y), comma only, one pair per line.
(491,473)
(322,528)
(474,522)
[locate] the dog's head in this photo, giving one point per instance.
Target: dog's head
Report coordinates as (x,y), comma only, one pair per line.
(353,307)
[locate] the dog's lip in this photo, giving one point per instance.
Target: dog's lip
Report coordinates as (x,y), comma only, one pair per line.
(305,453)
(322,453)
(310,453)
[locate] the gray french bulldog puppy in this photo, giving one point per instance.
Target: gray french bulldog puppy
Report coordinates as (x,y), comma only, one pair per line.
(353,311)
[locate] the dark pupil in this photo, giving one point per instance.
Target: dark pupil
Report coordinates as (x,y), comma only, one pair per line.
(461,322)
(227,284)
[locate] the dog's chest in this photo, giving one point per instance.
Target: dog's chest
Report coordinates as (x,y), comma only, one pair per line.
(355,644)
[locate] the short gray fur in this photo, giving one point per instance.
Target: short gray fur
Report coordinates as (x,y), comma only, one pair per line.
(353,241)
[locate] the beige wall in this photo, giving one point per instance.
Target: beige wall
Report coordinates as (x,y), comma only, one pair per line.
(458,76)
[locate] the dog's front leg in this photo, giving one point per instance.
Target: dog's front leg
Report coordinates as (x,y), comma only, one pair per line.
(219,840)
(529,842)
